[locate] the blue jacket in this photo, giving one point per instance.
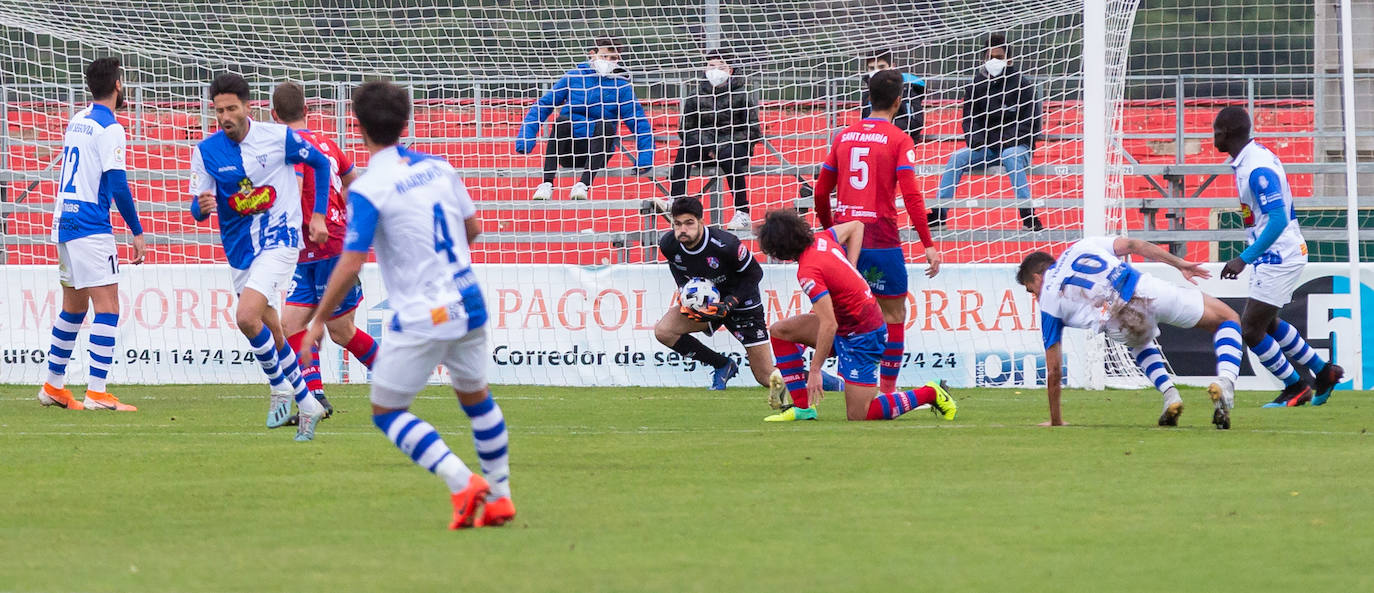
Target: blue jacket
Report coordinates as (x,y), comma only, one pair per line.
(587,98)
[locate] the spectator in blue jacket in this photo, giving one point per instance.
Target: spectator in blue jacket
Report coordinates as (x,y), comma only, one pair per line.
(591,99)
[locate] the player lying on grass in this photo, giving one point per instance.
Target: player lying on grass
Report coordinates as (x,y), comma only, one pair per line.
(1277,253)
(415,210)
(87,263)
(1090,287)
(245,174)
(321,250)
(844,317)
(866,164)
(693,251)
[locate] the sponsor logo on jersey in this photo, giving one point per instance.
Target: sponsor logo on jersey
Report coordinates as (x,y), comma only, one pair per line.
(251,200)
(228,168)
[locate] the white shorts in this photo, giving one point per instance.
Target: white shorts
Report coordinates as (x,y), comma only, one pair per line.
(269,274)
(402,370)
(1275,283)
(1156,301)
(88,261)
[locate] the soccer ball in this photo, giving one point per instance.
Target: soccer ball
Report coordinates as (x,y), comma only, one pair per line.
(699,293)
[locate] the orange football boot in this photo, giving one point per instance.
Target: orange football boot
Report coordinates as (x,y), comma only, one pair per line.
(62,398)
(467,501)
(497,512)
(96,400)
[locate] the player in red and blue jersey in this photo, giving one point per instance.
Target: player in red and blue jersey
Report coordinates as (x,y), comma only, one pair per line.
(322,249)
(866,164)
(844,316)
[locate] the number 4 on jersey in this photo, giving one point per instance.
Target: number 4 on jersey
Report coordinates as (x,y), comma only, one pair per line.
(443,241)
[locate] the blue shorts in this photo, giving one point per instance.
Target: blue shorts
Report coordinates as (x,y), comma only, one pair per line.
(885,271)
(307,287)
(859,355)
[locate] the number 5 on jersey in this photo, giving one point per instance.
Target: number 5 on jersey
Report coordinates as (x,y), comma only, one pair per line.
(858,169)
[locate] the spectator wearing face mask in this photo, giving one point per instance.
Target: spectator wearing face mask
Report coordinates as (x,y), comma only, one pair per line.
(719,127)
(1002,120)
(592,100)
(911,116)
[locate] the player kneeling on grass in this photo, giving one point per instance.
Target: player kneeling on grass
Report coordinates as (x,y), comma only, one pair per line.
(417,212)
(844,316)
(1090,287)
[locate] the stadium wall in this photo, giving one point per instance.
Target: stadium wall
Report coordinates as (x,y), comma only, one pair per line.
(593,325)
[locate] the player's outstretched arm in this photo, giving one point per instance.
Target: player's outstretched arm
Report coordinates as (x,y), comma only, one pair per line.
(916,208)
(825,183)
(1054,377)
(851,235)
(1191,271)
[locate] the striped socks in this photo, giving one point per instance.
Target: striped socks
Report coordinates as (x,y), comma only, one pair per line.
(1227,342)
(306,401)
(309,373)
(419,441)
(64,330)
(891,364)
(891,405)
(790,365)
(265,351)
(489,436)
(1295,347)
(362,347)
(1273,359)
(1151,362)
(102,344)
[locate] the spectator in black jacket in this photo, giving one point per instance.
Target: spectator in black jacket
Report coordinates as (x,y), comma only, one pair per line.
(1002,120)
(719,127)
(911,116)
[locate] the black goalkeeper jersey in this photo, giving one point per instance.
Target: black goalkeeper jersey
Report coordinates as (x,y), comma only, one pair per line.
(720,258)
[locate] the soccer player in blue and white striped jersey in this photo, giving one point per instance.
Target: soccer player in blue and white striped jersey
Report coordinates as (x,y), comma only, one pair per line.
(415,211)
(92,178)
(245,174)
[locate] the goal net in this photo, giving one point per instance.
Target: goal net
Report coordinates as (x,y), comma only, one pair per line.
(573,278)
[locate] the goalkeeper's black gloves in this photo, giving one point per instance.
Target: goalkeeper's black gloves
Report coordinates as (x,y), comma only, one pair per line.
(719,310)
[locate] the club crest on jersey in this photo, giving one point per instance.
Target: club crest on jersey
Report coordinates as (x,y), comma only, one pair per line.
(713,262)
(1247,215)
(677,258)
(251,200)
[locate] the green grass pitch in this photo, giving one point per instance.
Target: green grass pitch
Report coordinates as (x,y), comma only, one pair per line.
(687,490)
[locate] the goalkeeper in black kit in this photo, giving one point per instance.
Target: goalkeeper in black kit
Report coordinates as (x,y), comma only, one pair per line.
(695,251)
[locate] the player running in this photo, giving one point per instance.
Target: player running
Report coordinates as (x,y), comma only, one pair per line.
(1090,287)
(844,316)
(318,257)
(87,264)
(417,212)
(866,163)
(244,174)
(1279,253)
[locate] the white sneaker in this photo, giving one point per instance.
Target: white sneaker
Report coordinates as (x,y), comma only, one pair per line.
(741,222)
(543,192)
(1173,408)
(578,191)
(1223,394)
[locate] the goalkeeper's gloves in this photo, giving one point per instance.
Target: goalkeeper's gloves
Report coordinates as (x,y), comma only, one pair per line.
(524,145)
(692,314)
(718,311)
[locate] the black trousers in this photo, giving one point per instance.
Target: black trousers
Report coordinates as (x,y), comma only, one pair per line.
(589,153)
(732,158)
